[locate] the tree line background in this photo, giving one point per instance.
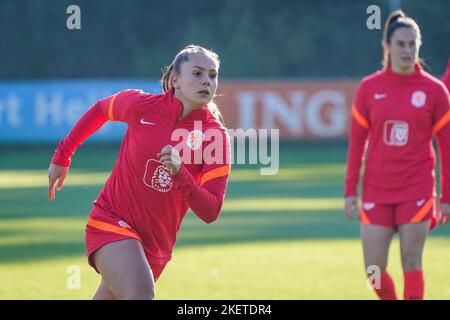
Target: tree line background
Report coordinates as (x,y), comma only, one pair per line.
(256,39)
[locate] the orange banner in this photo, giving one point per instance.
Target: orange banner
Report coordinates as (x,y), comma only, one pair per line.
(299,109)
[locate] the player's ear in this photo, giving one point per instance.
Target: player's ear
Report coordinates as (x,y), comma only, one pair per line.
(175,83)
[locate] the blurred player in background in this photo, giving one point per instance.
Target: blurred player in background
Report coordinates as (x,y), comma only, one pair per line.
(175,156)
(395,114)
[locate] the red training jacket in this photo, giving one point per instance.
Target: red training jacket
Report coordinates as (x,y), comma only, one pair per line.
(395,116)
(140,190)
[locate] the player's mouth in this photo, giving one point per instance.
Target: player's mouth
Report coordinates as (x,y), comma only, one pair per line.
(407,59)
(204,92)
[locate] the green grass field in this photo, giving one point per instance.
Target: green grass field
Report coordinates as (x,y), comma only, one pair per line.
(278,237)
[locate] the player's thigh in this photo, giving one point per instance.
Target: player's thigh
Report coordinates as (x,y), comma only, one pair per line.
(413,235)
(412,240)
(376,239)
(103,293)
(125,269)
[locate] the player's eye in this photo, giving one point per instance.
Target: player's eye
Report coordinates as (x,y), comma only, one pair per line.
(196,73)
(213,75)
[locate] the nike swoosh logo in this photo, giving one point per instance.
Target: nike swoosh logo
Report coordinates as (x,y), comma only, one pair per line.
(146,122)
(379,96)
(420,202)
(368,205)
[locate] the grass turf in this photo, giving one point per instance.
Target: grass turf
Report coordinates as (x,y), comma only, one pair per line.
(278,237)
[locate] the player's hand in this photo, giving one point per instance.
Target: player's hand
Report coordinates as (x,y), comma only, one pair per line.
(351,206)
(56,173)
(170,158)
(445,213)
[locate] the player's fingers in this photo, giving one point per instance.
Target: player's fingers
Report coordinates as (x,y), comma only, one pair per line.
(346,207)
(348,212)
(172,166)
(51,186)
(166,162)
(440,216)
(444,219)
(166,149)
(51,173)
(175,155)
(61,180)
(171,162)
(355,210)
(350,216)
(51,192)
(166,157)
(349,208)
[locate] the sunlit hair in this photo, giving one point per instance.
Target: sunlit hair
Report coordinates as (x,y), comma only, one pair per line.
(396,20)
(175,68)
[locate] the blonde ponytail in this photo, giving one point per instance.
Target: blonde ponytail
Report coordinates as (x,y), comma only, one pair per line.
(214,109)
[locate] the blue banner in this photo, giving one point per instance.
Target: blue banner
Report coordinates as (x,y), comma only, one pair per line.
(45,111)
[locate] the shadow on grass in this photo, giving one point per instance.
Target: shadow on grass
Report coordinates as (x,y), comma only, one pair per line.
(101,157)
(77,200)
(231,228)
(40,251)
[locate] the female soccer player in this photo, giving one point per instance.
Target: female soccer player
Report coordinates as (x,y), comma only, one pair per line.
(397,111)
(175,156)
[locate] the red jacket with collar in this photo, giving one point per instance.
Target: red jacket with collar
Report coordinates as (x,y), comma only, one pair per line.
(140,190)
(394,118)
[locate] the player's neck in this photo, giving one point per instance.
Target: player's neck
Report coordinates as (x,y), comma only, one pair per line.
(187,106)
(403,70)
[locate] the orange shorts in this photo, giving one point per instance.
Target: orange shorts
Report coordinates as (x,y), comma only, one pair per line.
(393,215)
(103,228)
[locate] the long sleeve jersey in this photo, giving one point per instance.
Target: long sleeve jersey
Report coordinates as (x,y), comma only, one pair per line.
(394,118)
(140,190)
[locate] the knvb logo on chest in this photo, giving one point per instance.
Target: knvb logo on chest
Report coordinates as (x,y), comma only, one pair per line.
(195,139)
(418,99)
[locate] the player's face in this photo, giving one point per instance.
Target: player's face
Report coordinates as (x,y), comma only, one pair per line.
(197,81)
(404,48)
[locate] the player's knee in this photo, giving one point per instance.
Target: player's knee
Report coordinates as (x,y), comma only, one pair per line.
(375,268)
(142,291)
(141,295)
(411,261)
